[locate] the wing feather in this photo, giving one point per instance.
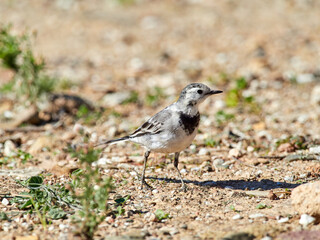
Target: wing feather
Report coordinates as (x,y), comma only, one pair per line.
(154,125)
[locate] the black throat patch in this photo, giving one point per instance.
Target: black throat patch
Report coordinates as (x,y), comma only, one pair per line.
(189,124)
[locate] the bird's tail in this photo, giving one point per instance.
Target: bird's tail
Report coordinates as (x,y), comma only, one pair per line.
(112,141)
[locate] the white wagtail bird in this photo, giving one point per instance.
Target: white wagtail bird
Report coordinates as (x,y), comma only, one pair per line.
(172,129)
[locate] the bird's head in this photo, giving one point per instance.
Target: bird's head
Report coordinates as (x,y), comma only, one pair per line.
(195,93)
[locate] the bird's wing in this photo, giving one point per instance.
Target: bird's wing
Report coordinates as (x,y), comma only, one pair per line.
(154,125)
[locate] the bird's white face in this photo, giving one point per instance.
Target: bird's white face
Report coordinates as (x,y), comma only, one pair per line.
(196,93)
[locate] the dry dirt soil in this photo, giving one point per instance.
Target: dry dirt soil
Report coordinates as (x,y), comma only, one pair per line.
(147,51)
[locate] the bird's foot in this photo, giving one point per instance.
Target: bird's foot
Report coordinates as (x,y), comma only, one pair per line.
(145,184)
(183,188)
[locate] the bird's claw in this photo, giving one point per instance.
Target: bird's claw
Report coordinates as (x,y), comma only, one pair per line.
(183,188)
(144,183)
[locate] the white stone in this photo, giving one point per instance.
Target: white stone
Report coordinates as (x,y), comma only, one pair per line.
(257,215)
(315,95)
(203,151)
(9,149)
(305,78)
(266,238)
(237,216)
(183,170)
(250,149)
(195,169)
(8,114)
(288,178)
(314,150)
(5,201)
(63,226)
(234,153)
(51,228)
(103,161)
(78,128)
(283,220)
(306,219)
(155,191)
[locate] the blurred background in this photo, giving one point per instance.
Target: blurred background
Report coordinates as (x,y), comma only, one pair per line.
(103,67)
(133,57)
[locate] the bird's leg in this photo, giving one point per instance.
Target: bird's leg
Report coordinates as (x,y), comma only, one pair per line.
(143,182)
(176,162)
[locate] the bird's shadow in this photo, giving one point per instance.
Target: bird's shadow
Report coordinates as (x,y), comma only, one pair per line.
(264,184)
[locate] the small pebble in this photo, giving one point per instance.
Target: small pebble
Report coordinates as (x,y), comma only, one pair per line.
(283,220)
(184,226)
(234,153)
(203,151)
(314,150)
(183,170)
(5,201)
(78,128)
(266,238)
(109,219)
(150,217)
(237,216)
(155,191)
(250,149)
(195,169)
(288,178)
(306,219)
(257,215)
(63,226)
(51,228)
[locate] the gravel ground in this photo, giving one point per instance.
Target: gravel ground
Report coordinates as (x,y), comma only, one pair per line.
(113,50)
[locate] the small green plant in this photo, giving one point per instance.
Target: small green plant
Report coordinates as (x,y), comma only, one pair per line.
(88,116)
(296,142)
(16,54)
(19,156)
(234,96)
(133,98)
(209,142)
(262,206)
(120,202)
(222,117)
(3,216)
(154,96)
(160,215)
(48,201)
(92,191)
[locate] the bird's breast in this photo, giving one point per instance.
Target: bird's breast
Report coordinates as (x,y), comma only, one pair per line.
(189,123)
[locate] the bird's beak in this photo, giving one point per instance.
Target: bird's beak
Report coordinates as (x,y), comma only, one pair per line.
(215,92)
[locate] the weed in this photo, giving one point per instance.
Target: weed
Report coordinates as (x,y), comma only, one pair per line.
(160,215)
(48,201)
(65,84)
(154,96)
(92,191)
(133,98)
(88,116)
(21,156)
(296,142)
(235,97)
(262,206)
(10,48)
(3,216)
(120,202)
(222,117)
(29,80)
(209,142)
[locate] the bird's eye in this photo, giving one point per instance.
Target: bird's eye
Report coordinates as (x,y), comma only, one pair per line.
(200,91)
